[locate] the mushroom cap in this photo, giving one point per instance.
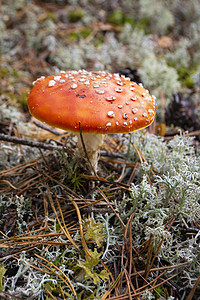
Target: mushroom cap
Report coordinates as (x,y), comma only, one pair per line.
(100,101)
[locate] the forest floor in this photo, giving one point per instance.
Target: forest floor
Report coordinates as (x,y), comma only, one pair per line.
(132,230)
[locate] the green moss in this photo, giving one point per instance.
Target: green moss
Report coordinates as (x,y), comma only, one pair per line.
(129,19)
(185,76)
(183,72)
(58,261)
(3,72)
(2,272)
(51,15)
(159,292)
(75,15)
(144,24)
(6,71)
(189,82)
(116,17)
(23,100)
(52,288)
(79,35)
(119,18)
(77,181)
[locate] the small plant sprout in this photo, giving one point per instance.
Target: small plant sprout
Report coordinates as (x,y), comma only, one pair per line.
(93,104)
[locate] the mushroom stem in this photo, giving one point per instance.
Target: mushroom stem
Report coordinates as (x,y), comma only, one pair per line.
(93,143)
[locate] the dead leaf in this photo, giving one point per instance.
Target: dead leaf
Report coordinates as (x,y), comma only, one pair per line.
(165,42)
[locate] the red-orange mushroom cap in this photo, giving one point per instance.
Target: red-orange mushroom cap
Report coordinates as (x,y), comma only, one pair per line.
(102,102)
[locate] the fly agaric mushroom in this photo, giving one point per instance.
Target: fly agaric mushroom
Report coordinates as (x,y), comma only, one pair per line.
(102,103)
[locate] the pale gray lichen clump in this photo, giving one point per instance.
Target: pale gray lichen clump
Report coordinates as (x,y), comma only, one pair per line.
(159,13)
(177,187)
(132,47)
(155,72)
(178,191)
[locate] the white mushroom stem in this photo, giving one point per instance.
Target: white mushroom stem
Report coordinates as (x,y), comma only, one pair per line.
(93,143)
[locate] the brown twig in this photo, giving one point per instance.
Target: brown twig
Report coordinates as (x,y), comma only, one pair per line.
(21,141)
(47,128)
(191,294)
